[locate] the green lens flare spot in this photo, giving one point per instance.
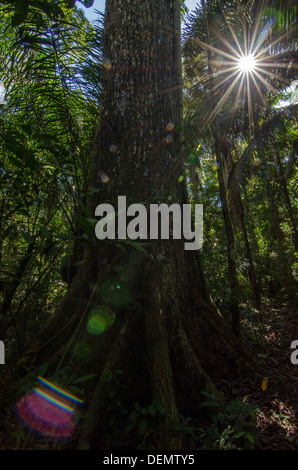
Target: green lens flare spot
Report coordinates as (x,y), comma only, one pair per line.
(100,320)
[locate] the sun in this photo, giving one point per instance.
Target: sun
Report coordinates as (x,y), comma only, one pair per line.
(243,63)
(243,66)
(247,63)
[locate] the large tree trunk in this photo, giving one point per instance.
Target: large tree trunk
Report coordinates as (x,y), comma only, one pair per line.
(168,341)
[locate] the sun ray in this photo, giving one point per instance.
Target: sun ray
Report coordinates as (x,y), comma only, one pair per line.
(256,27)
(263,35)
(245,65)
(221,101)
(258,88)
(225,80)
(232,32)
(265,82)
(237,100)
(250,107)
(216,49)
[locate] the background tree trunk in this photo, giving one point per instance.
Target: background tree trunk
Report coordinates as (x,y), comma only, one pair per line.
(287,201)
(231,250)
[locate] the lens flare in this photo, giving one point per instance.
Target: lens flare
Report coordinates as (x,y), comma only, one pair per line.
(100,320)
(113,148)
(170,127)
(257,162)
(49,410)
(104,178)
(53,400)
(62,392)
(107,64)
(169,139)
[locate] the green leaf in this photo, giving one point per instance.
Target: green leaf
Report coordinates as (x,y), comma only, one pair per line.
(92,221)
(84,378)
(79,263)
(209,403)
(239,434)
(43,369)
(93,190)
(84,208)
(250,437)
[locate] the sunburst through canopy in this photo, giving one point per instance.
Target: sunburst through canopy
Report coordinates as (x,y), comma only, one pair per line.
(245,64)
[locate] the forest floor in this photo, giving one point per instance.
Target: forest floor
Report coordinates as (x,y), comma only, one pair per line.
(276,406)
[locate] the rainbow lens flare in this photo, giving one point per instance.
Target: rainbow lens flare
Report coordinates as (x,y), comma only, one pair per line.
(49,410)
